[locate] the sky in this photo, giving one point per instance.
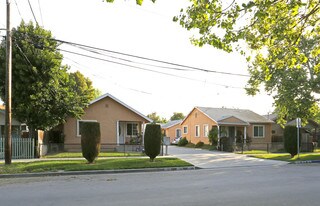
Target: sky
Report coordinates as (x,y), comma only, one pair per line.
(145,31)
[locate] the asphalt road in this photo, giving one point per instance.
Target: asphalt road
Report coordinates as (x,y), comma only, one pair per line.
(293,185)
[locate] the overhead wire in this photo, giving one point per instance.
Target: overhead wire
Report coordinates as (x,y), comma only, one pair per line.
(34,16)
(40,10)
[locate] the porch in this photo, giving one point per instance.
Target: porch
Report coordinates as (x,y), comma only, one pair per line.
(130,132)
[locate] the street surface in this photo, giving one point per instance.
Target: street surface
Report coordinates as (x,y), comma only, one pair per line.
(294,185)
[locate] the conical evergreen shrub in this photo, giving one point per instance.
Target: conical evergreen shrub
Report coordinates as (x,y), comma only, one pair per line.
(290,140)
(152,140)
(90,140)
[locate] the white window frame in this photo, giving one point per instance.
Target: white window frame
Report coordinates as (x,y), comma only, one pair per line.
(197,131)
(186,129)
(132,135)
(205,130)
(78,125)
(263,131)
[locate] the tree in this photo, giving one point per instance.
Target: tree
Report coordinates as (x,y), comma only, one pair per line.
(280,40)
(213,136)
(139,2)
(177,116)
(152,140)
(156,118)
(90,140)
(43,92)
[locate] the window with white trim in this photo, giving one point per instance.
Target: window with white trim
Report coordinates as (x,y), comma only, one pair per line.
(258,131)
(205,130)
(132,129)
(197,131)
(185,129)
(79,123)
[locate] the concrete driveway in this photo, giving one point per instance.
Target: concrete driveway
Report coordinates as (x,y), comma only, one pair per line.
(215,159)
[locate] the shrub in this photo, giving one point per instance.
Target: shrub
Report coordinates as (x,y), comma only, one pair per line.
(90,140)
(226,144)
(199,144)
(290,140)
(152,141)
(213,136)
(183,142)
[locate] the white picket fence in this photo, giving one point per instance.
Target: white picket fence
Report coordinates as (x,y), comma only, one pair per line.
(22,148)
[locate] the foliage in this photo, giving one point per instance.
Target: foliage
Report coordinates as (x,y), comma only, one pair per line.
(213,136)
(199,145)
(156,118)
(152,140)
(183,142)
(139,2)
(279,40)
(43,92)
(101,154)
(290,140)
(177,116)
(90,140)
(226,144)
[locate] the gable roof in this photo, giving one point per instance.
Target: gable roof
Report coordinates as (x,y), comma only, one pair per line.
(171,124)
(218,114)
(120,102)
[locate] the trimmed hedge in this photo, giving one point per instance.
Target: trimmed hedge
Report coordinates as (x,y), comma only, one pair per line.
(199,145)
(90,140)
(152,140)
(290,140)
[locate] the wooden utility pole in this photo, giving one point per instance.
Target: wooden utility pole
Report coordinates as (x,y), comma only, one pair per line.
(8,122)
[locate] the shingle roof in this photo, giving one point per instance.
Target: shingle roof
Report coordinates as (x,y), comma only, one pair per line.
(170,124)
(222,113)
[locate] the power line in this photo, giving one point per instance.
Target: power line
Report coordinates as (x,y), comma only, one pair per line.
(140,68)
(40,12)
(32,12)
(18,9)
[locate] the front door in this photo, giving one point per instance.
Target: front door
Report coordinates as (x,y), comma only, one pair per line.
(121,131)
(178,133)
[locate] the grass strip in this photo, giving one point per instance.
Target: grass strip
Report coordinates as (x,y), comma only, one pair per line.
(287,157)
(101,154)
(81,165)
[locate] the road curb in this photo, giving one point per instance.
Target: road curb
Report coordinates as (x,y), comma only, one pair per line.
(93,172)
(305,162)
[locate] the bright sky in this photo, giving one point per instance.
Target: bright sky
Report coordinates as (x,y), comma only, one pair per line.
(146,31)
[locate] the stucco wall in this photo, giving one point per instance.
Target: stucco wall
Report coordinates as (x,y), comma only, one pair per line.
(171,132)
(107,112)
(196,117)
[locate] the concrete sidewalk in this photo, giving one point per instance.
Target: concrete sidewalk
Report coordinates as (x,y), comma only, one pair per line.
(215,159)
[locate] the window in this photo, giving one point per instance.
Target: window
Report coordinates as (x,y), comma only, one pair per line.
(205,130)
(79,123)
(197,131)
(178,132)
(132,129)
(258,131)
(185,129)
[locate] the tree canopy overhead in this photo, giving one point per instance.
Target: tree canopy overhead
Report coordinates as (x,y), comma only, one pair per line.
(177,116)
(43,92)
(280,40)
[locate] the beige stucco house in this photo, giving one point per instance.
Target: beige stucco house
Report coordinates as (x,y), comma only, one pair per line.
(230,123)
(119,124)
(172,129)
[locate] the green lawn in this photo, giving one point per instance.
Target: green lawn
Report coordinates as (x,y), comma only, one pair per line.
(80,165)
(287,157)
(102,154)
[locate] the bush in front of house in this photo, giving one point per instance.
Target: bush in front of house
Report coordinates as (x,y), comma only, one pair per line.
(183,142)
(152,140)
(290,140)
(226,144)
(199,145)
(90,140)
(213,136)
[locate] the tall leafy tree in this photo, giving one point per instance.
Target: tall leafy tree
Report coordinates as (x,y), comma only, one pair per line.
(177,116)
(156,118)
(43,92)
(280,40)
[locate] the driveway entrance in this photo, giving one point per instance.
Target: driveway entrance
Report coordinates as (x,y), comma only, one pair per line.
(215,159)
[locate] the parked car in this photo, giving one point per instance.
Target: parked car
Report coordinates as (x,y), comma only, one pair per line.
(176,140)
